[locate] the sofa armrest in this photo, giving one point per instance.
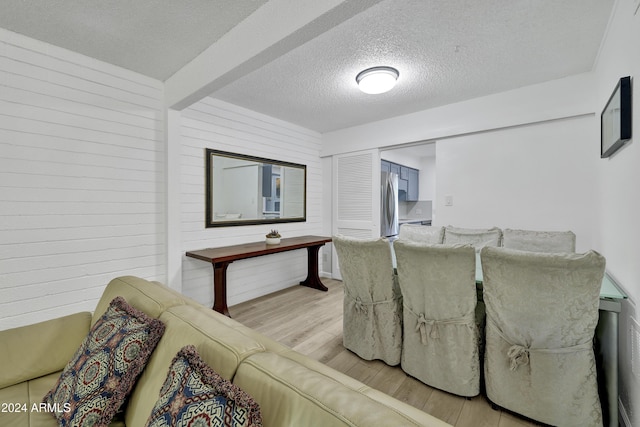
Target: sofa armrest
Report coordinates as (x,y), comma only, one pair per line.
(40,349)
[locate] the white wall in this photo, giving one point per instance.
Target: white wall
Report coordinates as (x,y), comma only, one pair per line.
(428,179)
(81,179)
(538,176)
(568,97)
(215,124)
(543,137)
(618,225)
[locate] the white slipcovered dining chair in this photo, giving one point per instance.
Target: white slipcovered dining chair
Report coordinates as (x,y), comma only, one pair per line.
(539,241)
(441,338)
(476,237)
(541,312)
(372,318)
(421,233)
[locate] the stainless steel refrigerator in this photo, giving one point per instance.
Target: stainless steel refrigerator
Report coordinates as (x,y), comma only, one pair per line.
(389,205)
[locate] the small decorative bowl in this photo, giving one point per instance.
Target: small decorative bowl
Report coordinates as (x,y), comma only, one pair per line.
(273,240)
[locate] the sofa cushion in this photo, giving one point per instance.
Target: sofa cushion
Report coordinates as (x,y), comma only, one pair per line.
(194,394)
(26,403)
(22,348)
(97,380)
(31,411)
(152,298)
(290,394)
(220,346)
(16,416)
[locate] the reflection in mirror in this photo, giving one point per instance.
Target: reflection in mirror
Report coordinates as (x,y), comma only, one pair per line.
(244,190)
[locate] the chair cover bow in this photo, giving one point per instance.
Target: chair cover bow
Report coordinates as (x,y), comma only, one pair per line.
(518,355)
(421,326)
(360,306)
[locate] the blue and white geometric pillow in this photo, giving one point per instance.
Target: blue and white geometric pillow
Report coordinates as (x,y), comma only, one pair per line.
(193,394)
(101,374)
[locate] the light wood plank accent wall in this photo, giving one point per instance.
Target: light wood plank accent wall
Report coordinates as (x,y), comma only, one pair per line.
(82,196)
(215,124)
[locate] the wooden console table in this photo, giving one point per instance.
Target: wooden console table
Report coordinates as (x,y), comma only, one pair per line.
(221,257)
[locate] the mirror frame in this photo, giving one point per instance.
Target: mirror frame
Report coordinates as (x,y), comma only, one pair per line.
(209,223)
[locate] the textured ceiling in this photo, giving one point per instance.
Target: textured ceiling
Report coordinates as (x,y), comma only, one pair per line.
(446,50)
(152,37)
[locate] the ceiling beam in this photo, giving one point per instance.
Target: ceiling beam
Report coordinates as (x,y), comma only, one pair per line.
(276,28)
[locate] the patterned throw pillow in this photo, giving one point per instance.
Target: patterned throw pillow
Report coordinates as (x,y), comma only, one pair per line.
(101,374)
(195,395)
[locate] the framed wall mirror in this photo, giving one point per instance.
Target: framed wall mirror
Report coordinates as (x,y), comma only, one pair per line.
(246,190)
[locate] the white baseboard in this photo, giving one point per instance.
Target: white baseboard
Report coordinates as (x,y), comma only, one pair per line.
(623,418)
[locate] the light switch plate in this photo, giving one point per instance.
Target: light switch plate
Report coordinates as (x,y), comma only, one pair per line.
(448,200)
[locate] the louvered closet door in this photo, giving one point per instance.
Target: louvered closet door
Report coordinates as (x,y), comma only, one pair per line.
(356,190)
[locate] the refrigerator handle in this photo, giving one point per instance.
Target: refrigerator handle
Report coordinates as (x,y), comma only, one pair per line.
(391,196)
(391,206)
(385,206)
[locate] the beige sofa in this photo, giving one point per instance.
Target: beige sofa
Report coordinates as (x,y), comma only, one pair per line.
(291,389)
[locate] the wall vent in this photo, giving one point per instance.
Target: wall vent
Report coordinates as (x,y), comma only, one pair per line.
(634,331)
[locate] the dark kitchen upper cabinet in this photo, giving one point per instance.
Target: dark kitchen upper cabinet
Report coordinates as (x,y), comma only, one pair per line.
(385,166)
(408,178)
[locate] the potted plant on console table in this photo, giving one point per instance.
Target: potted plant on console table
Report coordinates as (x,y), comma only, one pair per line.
(273,237)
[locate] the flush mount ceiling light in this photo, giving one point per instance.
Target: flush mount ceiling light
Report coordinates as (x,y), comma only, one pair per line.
(377,79)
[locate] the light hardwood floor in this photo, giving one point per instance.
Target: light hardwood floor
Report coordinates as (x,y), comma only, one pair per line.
(310,322)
